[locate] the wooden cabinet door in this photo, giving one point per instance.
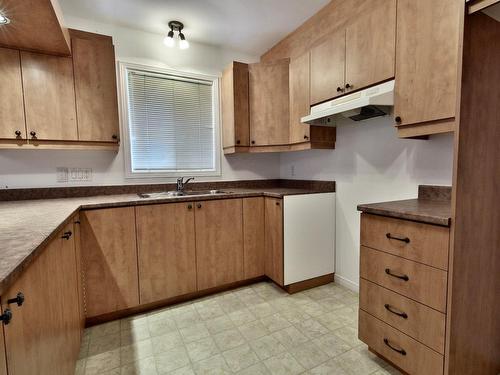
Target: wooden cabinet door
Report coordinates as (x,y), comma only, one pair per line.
(427,58)
(166,251)
(327,68)
(234,98)
(253,237)
(42,337)
(109,260)
(49,97)
(95,86)
(219,242)
(3,359)
(79,269)
(299,98)
(269,103)
(274,239)
(11,96)
(371,46)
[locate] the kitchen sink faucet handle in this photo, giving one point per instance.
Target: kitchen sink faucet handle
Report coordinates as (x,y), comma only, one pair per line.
(181,184)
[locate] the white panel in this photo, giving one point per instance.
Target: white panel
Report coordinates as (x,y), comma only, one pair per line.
(309,236)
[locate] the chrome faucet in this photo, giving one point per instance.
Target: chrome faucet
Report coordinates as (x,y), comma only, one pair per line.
(181,184)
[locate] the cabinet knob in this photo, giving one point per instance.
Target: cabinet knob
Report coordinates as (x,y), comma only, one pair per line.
(306,137)
(253,142)
(190,206)
(17,133)
(6,317)
(114,136)
(238,142)
(198,205)
(398,119)
(340,89)
(19,300)
(277,203)
(348,86)
(67,235)
(33,134)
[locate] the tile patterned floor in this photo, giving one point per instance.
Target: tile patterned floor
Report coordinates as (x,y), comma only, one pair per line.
(253,330)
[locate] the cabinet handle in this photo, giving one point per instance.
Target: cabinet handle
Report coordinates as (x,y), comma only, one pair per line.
(348,86)
(19,300)
(340,89)
(238,142)
(277,203)
(198,205)
(253,142)
(114,136)
(33,134)
(6,317)
(190,206)
(400,351)
(397,238)
(306,137)
(392,310)
(67,235)
(18,133)
(402,277)
(398,119)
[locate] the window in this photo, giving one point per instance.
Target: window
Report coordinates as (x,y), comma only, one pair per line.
(171,122)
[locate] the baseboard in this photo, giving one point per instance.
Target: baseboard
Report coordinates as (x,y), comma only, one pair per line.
(347,283)
(308,284)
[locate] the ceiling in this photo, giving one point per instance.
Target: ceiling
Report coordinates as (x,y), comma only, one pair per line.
(251,26)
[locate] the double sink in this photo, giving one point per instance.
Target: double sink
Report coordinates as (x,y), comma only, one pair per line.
(176,193)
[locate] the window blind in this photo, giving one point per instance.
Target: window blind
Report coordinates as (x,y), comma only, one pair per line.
(171,123)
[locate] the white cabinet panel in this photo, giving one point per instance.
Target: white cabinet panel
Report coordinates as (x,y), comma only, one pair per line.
(309,236)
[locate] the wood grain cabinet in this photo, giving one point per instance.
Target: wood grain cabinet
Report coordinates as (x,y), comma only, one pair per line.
(12,124)
(253,237)
(44,332)
(49,97)
(235,115)
(274,239)
(109,260)
(95,86)
(166,251)
(219,242)
(427,64)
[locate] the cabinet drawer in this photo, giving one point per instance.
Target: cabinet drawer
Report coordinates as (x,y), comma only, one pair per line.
(420,242)
(405,352)
(414,280)
(416,320)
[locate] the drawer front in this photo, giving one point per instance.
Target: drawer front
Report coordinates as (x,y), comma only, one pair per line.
(405,352)
(416,320)
(420,242)
(417,281)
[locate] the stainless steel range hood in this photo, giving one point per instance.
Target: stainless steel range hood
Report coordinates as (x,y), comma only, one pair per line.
(362,105)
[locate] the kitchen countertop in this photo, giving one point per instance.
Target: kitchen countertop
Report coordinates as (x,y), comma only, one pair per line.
(26,226)
(433,206)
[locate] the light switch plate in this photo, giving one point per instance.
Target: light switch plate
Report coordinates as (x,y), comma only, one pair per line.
(80,174)
(62,174)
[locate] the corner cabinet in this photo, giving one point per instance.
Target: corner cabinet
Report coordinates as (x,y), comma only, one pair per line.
(427,66)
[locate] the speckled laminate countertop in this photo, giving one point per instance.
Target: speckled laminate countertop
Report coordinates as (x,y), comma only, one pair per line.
(27,226)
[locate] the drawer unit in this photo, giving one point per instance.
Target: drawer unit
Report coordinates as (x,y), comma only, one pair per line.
(424,243)
(416,320)
(405,352)
(417,281)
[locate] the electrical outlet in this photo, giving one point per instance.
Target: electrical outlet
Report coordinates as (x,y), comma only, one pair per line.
(80,174)
(62,174)
(292,170)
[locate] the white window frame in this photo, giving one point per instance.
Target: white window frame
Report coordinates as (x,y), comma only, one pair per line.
(123,68)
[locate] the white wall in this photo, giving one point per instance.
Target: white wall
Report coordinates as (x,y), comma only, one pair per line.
(370,164)
(37,168)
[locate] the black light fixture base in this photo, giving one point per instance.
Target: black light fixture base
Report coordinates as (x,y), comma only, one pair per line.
(176,25)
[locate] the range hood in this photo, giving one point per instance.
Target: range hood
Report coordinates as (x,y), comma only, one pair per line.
(362,105)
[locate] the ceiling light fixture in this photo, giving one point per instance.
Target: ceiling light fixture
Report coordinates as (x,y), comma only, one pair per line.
(4,20)
(169,40)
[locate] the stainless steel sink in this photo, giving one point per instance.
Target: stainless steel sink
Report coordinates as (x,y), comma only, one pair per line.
(175,193)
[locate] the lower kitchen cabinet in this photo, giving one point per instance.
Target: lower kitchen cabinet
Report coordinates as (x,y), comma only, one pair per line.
(274,239)
(253,237)
(109,260)
(43,336)
(219,242)
(3,360)
(166,250)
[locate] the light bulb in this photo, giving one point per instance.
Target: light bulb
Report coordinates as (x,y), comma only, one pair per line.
(169,40)
(3,20)
(183,43)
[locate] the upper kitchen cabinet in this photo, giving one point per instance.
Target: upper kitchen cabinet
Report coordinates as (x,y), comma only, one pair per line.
(49,97)
(328,68)
(34,26)
(235,116)
(95,87)
(269,103)
(302,134)
(12,125)
(427,65)
(371,46)
(357,56)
